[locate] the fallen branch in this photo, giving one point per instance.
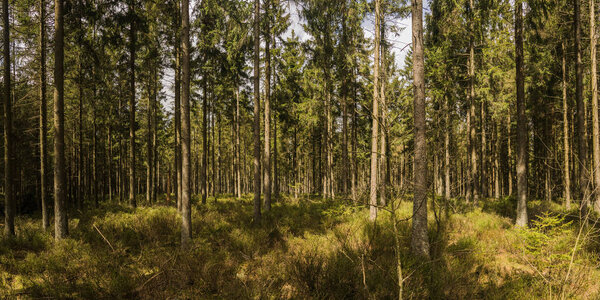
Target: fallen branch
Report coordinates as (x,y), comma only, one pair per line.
(105,239)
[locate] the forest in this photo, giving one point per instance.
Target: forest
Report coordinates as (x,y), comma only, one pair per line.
(299,149)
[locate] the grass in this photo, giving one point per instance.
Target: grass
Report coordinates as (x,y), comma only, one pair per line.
(302,249)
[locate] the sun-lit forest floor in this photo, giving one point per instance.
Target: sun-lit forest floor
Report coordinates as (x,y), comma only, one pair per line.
(306,248)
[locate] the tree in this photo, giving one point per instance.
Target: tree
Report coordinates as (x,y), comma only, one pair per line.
(595,124)
(132,50)
(267,163)
(186,171)
(567,170)
(10,205)
(375,127)
(61,229)
(256,125)
(581,124)
(420,240)
(521,120)
(43,119)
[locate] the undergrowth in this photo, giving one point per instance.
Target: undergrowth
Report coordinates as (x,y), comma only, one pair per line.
(305,248)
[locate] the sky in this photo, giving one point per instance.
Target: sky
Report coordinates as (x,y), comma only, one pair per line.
(400,41)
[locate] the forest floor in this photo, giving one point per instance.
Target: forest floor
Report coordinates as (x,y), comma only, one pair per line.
(307,248)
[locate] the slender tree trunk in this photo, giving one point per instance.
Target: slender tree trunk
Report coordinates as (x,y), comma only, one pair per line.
(132,45)
(238,172)
(9,198)
(475,180)
(267,130)
(375,127)
(256,127)
(595,125)
(186,209)
(43,119)
(567,170)
(483,172)
(420,240)
(447,131)
(521,121)
(177,71)
(581,130)
(61,229)
(509,155)
(496,161)
(383,160)
(149,155)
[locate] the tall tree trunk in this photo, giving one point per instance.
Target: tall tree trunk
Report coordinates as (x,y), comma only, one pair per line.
(383,161)
(521,121)
(581,130)
(149,154)
(177,70)
(43,120)
(238,172)
(483,172)
(256,125)
(375,127)
(595,125)
(509,155)
(186,209)
(475,180)
(204,167)
(447,130)
(61,229)
(132,42)
(567,170)
(267,130)
(9,198)
(420,240)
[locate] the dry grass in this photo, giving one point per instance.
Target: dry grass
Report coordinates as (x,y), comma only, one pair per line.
(304,249)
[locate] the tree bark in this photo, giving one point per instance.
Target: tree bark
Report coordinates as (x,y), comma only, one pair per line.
(447,191)
(43,120)
(132,45)
(521,121)
(256,127)
(375,127)
(581,130)
(177,70)
(267,116)
(9,200)
(186,209)
(595,126)
(420,240)
(61,229)
(567,169)
(475,180)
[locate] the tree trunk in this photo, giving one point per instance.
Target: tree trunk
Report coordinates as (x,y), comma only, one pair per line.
(43,120)
(447,130)
(383,161)
(581,130)
(10,205)
(375,127)
(177,71)
(567,170)
(267,116)
(186,209)
(256,126)
(474,178)
(61,229)
(420,240)
(238,172)
(521,121)
(595,126)
(132,41)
